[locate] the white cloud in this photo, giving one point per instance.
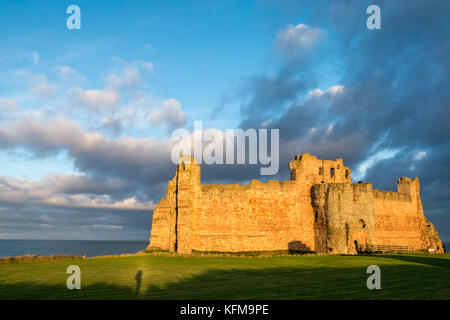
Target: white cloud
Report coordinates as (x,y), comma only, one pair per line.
(330,128)
(9,106)
(109,97)
(420,155)
(148,66)
(95,202)
(130,75)
(67,73)
(96,99)
(104,226)
(334,90)
(138,109)
(170,113)
(33,57)
(294,39)
(46,225)
(264,124)
(30,83)
(65,70)
(47,192)
(41,135)
(372,160)
(126,156)
(330,92)
(44,89)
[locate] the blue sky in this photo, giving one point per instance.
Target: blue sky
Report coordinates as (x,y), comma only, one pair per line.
(198,51)
(85,115)
(187,39)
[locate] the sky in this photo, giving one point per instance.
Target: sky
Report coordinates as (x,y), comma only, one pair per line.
(86,115)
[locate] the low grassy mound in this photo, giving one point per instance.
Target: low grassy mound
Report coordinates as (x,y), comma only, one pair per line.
(35,259)
(418,276)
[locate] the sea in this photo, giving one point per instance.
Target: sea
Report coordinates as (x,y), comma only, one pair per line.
(89,248)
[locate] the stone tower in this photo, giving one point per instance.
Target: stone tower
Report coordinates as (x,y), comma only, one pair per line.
(188,183)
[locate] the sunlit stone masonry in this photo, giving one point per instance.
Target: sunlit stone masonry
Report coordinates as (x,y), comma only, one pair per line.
(318,210)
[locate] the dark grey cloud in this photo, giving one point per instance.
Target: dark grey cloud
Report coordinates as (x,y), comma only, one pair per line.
(142,160)
(71,223)
(432,169)
(260,95)
(395,96)
(113,125)
(72,207)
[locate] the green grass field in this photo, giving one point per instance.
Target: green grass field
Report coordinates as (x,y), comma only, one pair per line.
(283,277)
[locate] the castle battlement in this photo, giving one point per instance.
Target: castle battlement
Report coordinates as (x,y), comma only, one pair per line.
(309,168)
(318,210)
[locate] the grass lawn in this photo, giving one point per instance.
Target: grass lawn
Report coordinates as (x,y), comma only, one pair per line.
(284,277)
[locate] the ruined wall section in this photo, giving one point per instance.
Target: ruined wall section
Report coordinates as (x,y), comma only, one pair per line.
(188,202)
(163,235)
(255,217)
(264,216)
(399,218)
(310,169)
(344,216)
(172,217)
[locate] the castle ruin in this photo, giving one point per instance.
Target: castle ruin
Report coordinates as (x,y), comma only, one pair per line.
(318,210)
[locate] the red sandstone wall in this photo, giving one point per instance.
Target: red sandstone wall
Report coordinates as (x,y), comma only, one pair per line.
(344,216)
(163,222)
(399,218)
(396,219)
(280,216)
(255,217)
(264,216)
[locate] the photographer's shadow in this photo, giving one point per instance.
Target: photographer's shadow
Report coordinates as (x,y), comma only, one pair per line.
(138,278)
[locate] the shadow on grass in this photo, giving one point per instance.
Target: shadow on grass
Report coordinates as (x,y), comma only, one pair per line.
(138,279)
(426,260)
(397,282)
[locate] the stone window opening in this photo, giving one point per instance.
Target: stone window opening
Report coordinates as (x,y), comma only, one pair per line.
(346,173)
(293,175)
(321,170)
(338,166)
(363,223)
(332,172)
